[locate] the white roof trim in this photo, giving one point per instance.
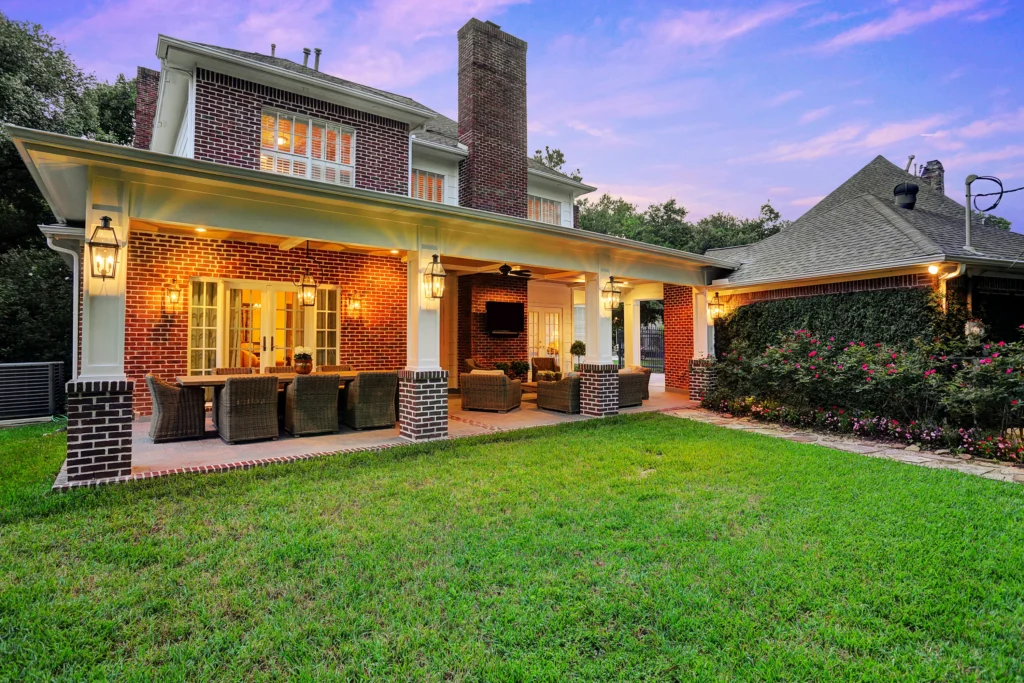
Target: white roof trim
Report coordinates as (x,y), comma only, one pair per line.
(437,146)
(563,180)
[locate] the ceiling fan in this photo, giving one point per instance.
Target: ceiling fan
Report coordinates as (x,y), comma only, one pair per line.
(506,269)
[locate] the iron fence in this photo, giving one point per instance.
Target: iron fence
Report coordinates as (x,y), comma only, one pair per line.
(652,347)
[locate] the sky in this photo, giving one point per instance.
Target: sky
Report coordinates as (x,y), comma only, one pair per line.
(721,105)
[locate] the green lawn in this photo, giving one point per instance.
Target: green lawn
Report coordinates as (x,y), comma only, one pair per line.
(640,547)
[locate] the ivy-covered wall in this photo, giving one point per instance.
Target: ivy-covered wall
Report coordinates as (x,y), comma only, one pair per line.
(892,316)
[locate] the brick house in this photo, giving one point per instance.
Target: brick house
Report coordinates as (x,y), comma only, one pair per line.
(250,169)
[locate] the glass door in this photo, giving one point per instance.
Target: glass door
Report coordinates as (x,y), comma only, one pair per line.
(245,328)
(288,327)
(544,334)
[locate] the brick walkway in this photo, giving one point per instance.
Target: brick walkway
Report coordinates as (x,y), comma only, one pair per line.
(989,469)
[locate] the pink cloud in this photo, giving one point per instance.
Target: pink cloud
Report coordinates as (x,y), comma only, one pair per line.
(815,114)
(898,23)
(1002,123)
(694,28)
(807,201)
(784,97)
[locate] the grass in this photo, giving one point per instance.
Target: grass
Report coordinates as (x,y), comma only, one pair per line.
(636,548)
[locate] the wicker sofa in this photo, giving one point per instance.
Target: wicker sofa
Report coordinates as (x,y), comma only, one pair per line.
(311,405)
(563,395)
(247,408)
(178,412)
(490,391)
(646,372)
(370,400)
(631,389)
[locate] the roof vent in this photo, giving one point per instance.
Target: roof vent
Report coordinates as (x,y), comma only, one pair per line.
(305,56)
(273,49)
(906,195)
(316,59)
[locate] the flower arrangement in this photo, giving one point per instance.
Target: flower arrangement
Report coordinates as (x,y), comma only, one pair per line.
(303,353)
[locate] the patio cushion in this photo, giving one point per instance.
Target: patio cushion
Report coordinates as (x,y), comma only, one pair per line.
(487,372)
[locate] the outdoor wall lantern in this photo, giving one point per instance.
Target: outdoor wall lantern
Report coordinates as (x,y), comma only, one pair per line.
(309,280)
(172,296)
(433,279)
(354,304)
(103,248)
(715,307)
(611,294)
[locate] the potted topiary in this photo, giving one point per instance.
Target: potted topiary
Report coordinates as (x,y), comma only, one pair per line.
(578,350)
(504,367)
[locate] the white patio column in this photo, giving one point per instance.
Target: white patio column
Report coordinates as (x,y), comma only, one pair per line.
(702,366)
(599,381)
(100,398)
(423,384)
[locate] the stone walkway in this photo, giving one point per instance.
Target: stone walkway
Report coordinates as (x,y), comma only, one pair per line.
(989,469)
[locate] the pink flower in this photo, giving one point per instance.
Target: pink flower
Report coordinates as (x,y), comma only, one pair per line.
(812,367)
(812,354)
(894,356)
(815,375)
(995,355)
(983,361)
(833,338)
(1014,402)
(864,367)
(1009,371)
(1001,344)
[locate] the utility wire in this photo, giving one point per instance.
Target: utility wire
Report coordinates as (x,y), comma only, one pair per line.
(989,194)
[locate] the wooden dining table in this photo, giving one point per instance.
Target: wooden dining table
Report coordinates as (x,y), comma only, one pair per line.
(283,379)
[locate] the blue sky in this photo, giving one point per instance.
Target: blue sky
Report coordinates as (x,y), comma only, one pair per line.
(721,105)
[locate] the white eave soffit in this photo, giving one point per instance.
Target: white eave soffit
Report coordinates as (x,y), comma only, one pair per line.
(184,55)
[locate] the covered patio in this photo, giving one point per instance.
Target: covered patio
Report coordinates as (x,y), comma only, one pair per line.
(204,277)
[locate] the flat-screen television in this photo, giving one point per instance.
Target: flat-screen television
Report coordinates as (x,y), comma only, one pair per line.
(504,317)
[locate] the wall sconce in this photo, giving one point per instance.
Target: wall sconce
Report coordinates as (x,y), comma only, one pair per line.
(433,279)
(103,248)
(354,304)
(715,307)
(309,280)
(611,294)
(172,296)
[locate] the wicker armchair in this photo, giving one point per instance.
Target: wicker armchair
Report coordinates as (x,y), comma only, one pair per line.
(472,364)
(277,369)
(646,372)
(178,412)
(563,395)
(334,368)
(631,389)
(235,371)
(370,400)
(311,405)
(490,392)
(247,409)
(543,365)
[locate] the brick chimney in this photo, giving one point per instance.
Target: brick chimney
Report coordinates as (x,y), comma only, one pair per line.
(935,175)
(492,119)
(147,85)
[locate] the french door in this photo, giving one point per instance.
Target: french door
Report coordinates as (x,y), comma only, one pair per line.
(544,332)
(265,324)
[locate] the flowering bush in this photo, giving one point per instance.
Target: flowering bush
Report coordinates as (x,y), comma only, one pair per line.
(909,395)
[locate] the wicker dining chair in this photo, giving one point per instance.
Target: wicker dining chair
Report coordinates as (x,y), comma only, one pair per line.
(486,391)
(370,400)
(235,371)
(311,405)
(334,368)
(178,412)
(247,409)
(631,389)
(278,369)
(563,395)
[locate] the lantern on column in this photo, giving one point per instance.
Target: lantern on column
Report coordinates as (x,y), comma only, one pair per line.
(433,279)
(309,280)
(611,294)
(715,307)
(103,248)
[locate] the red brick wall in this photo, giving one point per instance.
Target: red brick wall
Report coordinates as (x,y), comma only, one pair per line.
(474,342)
(147,86)
(492,119)
(916,280)
(678,317)
(228,129)
(158,343)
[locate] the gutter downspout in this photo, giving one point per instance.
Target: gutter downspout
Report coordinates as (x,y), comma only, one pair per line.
(75,271)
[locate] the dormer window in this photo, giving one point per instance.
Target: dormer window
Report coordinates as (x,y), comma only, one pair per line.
(428,186)
(301,146)
(544,210)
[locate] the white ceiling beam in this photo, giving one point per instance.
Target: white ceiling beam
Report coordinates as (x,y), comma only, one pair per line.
(290,243)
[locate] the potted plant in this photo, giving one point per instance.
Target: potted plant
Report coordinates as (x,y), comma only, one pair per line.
(578,350)
(504,367)
(303,360)
(519,369)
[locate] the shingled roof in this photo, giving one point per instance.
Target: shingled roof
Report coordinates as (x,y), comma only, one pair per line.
(859,228)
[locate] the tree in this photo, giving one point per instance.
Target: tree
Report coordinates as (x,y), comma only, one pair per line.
(555,160)
(35,307)
(992,221)
(114,108)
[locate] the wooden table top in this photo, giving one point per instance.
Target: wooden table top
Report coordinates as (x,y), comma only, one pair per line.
(282,378)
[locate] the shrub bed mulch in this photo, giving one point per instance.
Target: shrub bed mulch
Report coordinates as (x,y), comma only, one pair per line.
(939,459)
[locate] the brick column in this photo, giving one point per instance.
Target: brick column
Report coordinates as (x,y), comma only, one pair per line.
(679,322)
(703,372)
(423,404)
(99,429)
(599,389)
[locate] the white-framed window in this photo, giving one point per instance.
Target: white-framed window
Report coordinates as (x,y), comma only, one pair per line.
(301,146)
(428,186)
(545,210)
(202,333)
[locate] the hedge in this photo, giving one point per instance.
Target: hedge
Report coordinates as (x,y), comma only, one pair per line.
(892,316)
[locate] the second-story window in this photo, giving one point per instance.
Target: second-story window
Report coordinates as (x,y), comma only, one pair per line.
(308,148)
(427,185)
(544,210)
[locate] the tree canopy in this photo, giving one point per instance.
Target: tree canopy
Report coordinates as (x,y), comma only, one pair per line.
(666,224)
(555,160)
